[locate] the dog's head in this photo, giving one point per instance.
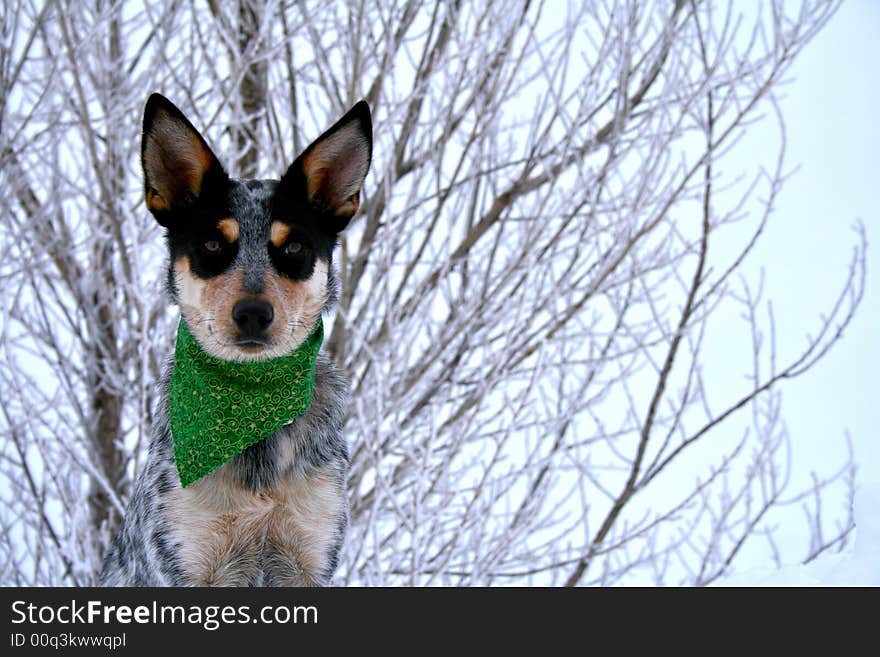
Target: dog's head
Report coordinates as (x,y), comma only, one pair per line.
(250,260)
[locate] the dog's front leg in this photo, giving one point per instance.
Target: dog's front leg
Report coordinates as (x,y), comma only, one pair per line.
(306,531)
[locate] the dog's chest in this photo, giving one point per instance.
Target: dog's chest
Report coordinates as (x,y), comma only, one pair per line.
(228,535)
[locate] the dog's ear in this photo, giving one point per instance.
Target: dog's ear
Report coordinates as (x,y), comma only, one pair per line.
(331,171)
(178,164)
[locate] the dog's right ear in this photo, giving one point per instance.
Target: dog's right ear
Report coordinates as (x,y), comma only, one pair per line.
(178,164)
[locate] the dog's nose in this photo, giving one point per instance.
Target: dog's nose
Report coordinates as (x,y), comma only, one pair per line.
(253,316)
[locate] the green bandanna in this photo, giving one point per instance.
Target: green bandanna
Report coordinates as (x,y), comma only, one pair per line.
(219,408)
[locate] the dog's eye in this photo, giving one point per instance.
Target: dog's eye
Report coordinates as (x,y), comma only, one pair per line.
(292,248)
(212,246)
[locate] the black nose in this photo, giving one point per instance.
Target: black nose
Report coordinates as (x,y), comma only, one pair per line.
(253,316)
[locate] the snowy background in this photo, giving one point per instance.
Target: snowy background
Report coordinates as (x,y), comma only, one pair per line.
(834,139)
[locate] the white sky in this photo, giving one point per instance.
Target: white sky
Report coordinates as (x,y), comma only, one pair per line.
(832,133)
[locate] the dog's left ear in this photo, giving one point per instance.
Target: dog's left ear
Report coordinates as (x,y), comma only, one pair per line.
(331,171)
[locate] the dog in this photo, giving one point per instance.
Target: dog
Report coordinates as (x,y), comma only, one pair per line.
(251,268)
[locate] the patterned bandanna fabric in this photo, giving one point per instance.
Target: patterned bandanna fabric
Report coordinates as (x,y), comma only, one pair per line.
(219,408)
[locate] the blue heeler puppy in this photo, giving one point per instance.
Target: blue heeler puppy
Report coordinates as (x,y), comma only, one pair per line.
(251,268)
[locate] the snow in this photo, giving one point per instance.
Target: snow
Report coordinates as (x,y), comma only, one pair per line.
(858,565)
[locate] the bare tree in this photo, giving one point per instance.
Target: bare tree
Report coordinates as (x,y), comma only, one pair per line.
(550,243)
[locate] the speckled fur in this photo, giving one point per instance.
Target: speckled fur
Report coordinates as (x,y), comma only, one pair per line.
(276,514)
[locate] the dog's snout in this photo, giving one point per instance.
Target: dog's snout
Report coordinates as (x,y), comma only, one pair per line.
(253,316)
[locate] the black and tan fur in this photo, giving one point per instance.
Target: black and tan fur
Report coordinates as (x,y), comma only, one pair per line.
(251,268)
